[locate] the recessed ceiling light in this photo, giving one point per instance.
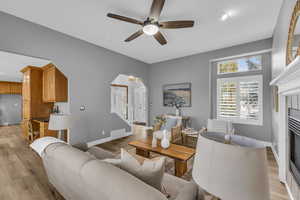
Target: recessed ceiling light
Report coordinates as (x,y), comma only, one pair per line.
(226,16)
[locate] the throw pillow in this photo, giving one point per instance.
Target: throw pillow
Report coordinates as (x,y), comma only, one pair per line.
(150,171)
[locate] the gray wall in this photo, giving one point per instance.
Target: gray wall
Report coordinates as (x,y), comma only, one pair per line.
(10,109)
(196,69)
(90,70)
(279,54)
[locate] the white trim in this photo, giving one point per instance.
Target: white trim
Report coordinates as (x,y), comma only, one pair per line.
(210,97)
(237,120)
(291,72)
(241,55)
(289,191)
(275,154)
(240,72)
(99,141)
(107,139)
(265,143)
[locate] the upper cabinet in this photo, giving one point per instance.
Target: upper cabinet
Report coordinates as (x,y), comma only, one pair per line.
(55,85)
(10,87)
(16,88)
(33,105)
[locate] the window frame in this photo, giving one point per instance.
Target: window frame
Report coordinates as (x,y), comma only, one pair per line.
(238,79)
(239,72)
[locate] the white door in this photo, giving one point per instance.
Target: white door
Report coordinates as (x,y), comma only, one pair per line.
(140,105)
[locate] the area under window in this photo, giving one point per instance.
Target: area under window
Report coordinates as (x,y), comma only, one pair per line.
(244,64)
(239,99)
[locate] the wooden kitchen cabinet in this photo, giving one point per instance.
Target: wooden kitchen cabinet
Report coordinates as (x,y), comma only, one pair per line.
(33,105)
(55,85)
(10,87)
(4,88)
(42,86)
(16,88)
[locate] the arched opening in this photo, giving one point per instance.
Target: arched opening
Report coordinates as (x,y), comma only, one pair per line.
(129,99)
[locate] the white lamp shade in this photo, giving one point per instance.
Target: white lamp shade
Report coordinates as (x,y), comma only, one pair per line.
(232,172)
(59,122)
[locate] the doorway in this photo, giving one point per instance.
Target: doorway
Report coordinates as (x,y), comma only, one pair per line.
(129,99)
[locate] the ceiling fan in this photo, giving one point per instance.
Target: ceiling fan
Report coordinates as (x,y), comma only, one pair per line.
(151,26)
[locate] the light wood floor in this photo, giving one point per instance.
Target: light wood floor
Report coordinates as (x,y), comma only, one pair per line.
(22,176)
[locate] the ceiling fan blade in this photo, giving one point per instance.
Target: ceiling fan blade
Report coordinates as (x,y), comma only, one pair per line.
(134,36)
(176,24)
(125,19)
(156,9)
(160,38)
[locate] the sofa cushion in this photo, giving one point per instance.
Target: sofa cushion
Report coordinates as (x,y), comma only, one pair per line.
(150,171)
(107,182)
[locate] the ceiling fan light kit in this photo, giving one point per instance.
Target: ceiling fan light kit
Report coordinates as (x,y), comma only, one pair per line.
(150,29)
(152,26)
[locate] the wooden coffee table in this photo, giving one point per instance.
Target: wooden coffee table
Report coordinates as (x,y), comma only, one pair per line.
(180,154)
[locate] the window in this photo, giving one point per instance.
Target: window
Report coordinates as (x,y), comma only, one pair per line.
(239,99)
(245,64)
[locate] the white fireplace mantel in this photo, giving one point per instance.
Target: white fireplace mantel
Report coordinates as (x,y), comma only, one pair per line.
(288,83)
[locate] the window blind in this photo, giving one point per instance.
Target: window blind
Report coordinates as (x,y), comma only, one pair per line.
(227,100)
(239,99)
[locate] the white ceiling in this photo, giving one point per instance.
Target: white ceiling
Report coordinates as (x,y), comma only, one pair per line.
(11,64)
(252,20)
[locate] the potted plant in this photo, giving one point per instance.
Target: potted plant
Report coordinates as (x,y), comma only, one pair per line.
(178,104)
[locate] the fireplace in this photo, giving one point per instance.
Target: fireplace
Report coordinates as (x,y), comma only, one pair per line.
(294,136)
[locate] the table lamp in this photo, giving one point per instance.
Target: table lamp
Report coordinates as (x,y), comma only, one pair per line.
(231,167)
(59,122)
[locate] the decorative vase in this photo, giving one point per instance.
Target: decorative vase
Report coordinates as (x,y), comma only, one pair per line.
(154,141)
(165,143)
(177,112)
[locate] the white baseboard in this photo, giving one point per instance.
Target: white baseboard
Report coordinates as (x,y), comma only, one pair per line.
(267,144)
(99,141)
(115,134)
(289,191)
(107,139)
(286,185)
(275,154)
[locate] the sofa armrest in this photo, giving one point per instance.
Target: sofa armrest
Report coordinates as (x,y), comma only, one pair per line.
(100,153)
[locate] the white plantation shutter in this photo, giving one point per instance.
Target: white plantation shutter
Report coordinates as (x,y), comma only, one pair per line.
(239,99)
(249,101)
(227,100)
